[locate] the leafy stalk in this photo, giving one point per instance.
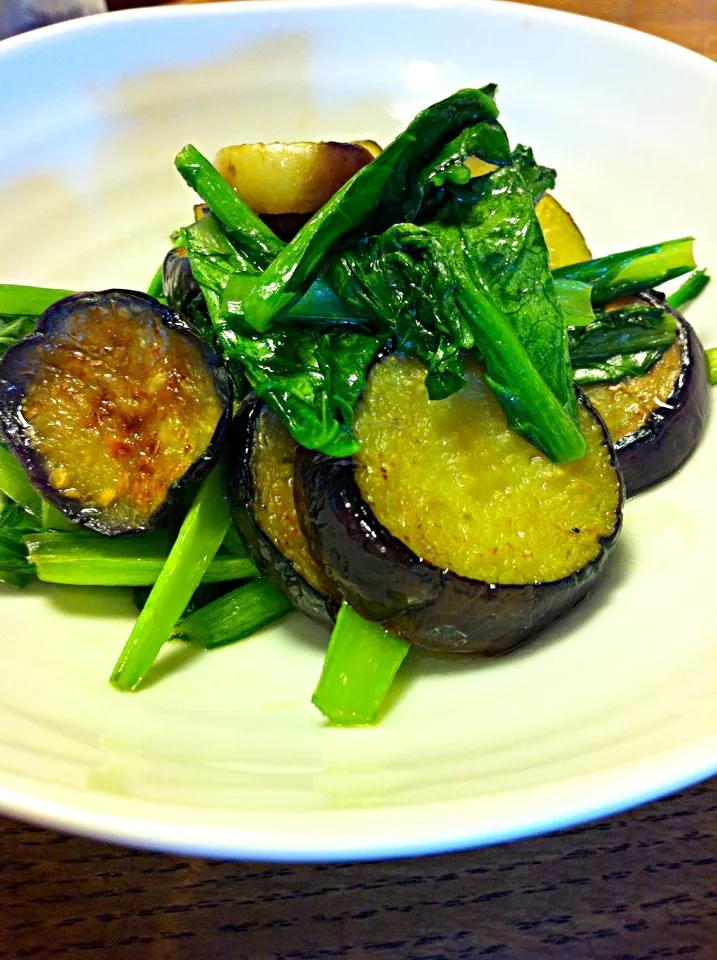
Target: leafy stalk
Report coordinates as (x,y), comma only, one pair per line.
(18,300)
(156,286)
(85,559)
(532,409)
(13,329)
(15,522)
(199,538)
(234,616)
(632,271)
(712,365)
(15,485)
(377,190)
(689,290)
(575,302)
(602,340)
(360,665)
(53,520)
(312,381)
(617,368)
(244,228)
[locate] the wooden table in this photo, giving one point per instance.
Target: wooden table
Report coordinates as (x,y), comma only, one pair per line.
(641,886)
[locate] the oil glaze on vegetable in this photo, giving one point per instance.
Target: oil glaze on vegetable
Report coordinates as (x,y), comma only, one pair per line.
(112,406)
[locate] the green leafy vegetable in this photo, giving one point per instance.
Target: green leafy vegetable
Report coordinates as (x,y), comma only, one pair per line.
(311,380)
(13,329)
(376,193)
(361,663)
(537,178)
(605,339)
(15,522)
(632,271)
(689,290)
(712,365)
(88,559)
(15,485)
(479,276)
(52,519)
(617,368)
(575,302)
(199,539)
(17,300)
(234,616)
(245,229)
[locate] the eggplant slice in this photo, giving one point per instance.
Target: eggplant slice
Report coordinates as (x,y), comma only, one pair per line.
(448,527)
(657,420)
(178,283)
(261,495)
(112,406)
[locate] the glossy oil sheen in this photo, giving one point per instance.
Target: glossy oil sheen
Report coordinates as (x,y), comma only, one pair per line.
(225,754)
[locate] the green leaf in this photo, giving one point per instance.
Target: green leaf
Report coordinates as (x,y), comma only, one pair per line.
(311,379)
(376,195)
(617,368)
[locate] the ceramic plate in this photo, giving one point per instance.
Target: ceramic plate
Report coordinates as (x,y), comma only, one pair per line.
(223,753)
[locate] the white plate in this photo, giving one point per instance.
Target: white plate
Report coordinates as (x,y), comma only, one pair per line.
(222,753)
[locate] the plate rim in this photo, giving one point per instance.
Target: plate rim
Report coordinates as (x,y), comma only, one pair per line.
(306,838)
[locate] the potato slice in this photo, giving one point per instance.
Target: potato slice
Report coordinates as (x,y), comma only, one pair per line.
(290,177)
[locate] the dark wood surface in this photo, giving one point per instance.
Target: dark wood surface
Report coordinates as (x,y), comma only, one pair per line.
(641,886)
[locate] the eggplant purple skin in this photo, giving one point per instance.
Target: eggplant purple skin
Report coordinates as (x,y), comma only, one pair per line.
(17,372)
(437,609)
(270,562)
(658,448)
(178,282)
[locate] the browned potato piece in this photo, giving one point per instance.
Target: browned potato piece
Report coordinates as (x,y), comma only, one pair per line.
(290,177)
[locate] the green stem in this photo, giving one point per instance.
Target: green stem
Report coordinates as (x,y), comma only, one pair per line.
(632,271)
(53,520)
(381,186)
(156,286)
(86,559)
(691,288)
(318,305)
(244,227)
(531,407)
(361,663)
(199,538)
(575,301)
(15,485)
(17,300)
(712,365)
(234,616)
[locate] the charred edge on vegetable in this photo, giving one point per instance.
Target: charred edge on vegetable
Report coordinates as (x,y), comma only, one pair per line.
(17,373)
(671,432)
(385,580)
(270,562)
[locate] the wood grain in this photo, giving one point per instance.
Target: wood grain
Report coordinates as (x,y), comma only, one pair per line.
(641,886)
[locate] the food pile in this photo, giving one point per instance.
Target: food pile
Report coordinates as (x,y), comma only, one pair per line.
(390,389)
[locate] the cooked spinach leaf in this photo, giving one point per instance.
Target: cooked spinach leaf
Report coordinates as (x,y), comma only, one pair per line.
(617,368)
(311,379)
(372,200)
(15,568)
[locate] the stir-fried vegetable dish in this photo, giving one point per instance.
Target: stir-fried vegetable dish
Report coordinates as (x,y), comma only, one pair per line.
(391,389)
